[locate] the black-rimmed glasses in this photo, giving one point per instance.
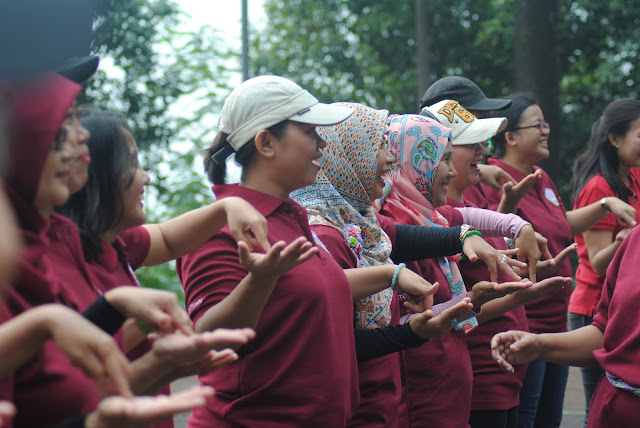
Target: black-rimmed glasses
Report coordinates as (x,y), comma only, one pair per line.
(542,127)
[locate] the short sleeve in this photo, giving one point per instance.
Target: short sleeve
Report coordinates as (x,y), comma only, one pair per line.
(209,274)
(453,216)
(138,243)
(594,190)
(336,246)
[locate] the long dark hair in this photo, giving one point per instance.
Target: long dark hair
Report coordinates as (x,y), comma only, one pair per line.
(100,204)
(601,156)
(215,156)
(519,103)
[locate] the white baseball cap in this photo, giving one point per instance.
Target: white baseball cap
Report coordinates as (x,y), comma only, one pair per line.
(264,101)
(465,127)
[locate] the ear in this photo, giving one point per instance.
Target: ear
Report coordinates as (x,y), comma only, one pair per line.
(510,138)
(264,143)
(614,140)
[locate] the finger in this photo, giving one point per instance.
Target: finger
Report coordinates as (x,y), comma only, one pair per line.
(261,238)
(533,269)
(244,253)
(307,255)
(413,307)
(565,252)
(118,370)
(507,187)
(544,250)
(276,250)
(493,268)
(507,177)
(511,252)
(506,268)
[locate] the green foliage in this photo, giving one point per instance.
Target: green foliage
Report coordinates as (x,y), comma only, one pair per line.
(167,82)
(363,51)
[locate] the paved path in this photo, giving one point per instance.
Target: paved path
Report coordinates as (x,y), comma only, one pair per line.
(572,414)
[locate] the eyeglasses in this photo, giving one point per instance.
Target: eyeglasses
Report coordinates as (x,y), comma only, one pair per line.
(542,127)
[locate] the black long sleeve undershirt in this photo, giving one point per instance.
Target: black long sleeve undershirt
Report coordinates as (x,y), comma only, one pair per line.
(378,342)
(423,242)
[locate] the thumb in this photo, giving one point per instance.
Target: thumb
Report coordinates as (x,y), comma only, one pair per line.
(506,187)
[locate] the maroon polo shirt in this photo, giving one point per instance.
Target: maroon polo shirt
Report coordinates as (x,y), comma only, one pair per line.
(47,389)
(301,367)
(436,377)
(618,317)
(493,388)
(585,297)
(379,379)
(542,208)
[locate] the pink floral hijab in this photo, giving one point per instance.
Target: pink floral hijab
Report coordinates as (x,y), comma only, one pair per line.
(419,143)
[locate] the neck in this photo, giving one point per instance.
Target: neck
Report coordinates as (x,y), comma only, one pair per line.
(110,236)
(45,213)
(255,179)
(623,172)
(513,159)
(455,193)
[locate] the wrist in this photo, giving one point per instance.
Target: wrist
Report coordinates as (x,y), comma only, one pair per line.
(605,207)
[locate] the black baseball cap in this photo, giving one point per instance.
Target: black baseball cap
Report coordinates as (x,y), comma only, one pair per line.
(78,69)
(463,90)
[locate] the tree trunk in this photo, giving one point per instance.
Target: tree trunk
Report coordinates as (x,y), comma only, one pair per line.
(422,24)
(537,66)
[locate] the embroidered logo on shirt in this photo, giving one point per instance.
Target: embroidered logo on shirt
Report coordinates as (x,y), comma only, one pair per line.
(551,196)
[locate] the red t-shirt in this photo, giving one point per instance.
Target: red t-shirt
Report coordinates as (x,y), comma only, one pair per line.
(436,377)
(493,388)
(379,379)
(585,297)
(618,317)
(301,367)
(542,208)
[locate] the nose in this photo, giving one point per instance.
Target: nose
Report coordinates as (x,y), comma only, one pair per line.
(452,171)
(391,158)
(147,179)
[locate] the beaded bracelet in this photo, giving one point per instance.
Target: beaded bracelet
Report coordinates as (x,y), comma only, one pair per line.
(395,276)
(466,235)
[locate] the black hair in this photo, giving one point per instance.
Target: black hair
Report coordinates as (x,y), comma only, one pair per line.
(519,103)
(215,156)
(100,204)
(601,156)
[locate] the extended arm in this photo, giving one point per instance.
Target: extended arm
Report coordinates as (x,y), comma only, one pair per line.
(582,219)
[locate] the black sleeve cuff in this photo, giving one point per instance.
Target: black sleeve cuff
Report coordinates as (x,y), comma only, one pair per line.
(378,342)
(104,315)
(423,242)
(74,422)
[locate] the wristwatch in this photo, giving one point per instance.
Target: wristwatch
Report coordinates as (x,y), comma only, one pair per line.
(605,208)
(464,229)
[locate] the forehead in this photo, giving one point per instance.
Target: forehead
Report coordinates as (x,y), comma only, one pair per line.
(531,113)
(131,141)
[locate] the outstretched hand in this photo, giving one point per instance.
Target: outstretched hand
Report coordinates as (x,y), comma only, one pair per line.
(123,412)
(484,291)
(278,260)
(246,224)
(426,326)
(416,289)
(158,309)
(512,193)
(529,249)
(494,176)
(90,349)
(624,212)
(514,347)
(476,248)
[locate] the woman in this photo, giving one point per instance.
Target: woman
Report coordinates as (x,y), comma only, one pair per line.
(517,149)
(276,144)
(417,185)
(339,205)
(611,341)
(608,168)
(36,182)
(108,211)
(495,392)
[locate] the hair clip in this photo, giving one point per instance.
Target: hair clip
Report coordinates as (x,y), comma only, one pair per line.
(220,157)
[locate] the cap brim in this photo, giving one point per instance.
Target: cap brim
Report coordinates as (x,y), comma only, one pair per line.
(79,69)
(323,114)
(480,130)
(489,104)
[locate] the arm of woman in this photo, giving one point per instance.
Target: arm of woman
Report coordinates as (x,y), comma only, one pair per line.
(602,246)
(574,348)
(582,219)
(185,233)
(243,306)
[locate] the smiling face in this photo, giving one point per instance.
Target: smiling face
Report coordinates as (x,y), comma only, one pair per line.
(445,173)
(53,187)
(298,154)
(80,158)
(466,159)
(133,183)
(530,143)
(385,160)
